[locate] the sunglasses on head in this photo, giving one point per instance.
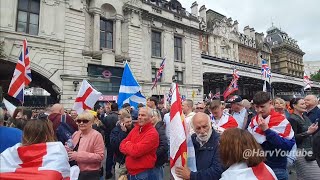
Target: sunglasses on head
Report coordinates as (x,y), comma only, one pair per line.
(84,121)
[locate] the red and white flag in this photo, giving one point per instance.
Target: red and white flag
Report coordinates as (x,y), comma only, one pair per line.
(47,161)
(87,97)
(22,74)
(231,88)
(178,139)
(241,171)
(306,81)
(276,122)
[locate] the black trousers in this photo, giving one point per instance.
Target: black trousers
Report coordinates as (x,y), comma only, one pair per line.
(89,175)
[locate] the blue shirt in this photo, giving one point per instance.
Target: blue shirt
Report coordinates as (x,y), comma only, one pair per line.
(314,114)
(9,137)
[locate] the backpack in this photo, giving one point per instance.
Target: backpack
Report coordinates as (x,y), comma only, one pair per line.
(64,131)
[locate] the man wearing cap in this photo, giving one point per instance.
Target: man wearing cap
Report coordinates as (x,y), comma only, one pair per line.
(239,112)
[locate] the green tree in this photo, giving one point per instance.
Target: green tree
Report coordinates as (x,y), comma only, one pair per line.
(316,76)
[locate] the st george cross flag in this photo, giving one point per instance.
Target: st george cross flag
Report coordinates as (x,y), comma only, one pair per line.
(306,81)
(231,88)
(242,171)
(47,161)
(178,140)
(86,98)
(22,75)
(265,69)
(129,86)
(276,122)
(159,73)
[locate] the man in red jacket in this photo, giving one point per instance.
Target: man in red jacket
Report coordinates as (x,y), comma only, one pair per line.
(140,147)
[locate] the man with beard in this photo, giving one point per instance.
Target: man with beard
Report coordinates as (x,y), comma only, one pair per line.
(206,146)
(119,133)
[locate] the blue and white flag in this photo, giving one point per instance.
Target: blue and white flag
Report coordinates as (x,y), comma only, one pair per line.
(137,98)
(129,86)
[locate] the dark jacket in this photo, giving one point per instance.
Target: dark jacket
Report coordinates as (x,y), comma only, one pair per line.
(116,136)
(208,161)
(300,127)
(162,151)
(109,122)
(316,147)
(314,115)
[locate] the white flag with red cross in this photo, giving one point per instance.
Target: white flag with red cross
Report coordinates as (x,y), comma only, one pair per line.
(86,98)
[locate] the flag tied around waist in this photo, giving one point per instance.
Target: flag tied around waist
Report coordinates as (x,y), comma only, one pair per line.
(47,161)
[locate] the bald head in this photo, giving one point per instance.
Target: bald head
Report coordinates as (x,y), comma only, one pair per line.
(57,108)
(311,101)
(200,122)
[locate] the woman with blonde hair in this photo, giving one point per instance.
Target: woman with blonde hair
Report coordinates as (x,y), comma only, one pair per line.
(38,156)
(243,156)
(89,148)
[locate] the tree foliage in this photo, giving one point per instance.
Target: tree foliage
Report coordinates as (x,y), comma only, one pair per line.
(316,76)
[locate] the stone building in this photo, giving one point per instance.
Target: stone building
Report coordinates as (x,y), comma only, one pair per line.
(75,39)
(311,67)
(286,57)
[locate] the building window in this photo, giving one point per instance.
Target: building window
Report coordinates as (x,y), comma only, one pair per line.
(179,76)
(178,48)
(28,16)
(106,34)
(156,44)
(154,72)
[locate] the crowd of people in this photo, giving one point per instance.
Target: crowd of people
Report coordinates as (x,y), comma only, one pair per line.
(135,142)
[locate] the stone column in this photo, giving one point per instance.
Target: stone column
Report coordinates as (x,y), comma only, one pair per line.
(96,29)
(117,40)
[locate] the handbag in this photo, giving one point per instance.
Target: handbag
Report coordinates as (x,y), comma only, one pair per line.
(73,162)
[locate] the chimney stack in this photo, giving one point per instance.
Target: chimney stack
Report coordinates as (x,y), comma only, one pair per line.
(194,9)
(252,33)
(246,31)
(203,13)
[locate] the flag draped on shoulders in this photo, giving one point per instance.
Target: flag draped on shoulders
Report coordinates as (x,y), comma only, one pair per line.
(86,98)
(47,161)
(226,121)
(276,122)
(129,87)
(241,171)
(22,74)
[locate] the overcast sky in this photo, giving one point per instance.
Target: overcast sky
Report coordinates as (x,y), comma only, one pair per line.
(299,18)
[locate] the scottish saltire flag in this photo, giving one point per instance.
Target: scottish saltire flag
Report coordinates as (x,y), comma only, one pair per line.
(159,73)
(129,86)
(137,98)
(235,74)
(22,75)
(265,69)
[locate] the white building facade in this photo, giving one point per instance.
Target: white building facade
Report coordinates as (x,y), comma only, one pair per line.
(74,40)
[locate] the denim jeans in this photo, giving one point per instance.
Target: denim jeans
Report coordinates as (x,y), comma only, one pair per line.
(159,172)
(145,175)
(282,174)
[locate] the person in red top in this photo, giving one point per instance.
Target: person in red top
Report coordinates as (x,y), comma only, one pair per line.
(140,147)
(57,110)
(221,120)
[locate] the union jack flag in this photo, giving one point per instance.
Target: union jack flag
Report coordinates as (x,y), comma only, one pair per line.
(22,74)
(265,69)
(231,88)
(236,74)
(159,73)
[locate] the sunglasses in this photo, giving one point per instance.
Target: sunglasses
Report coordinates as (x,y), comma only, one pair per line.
(84,121)
(199,108)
